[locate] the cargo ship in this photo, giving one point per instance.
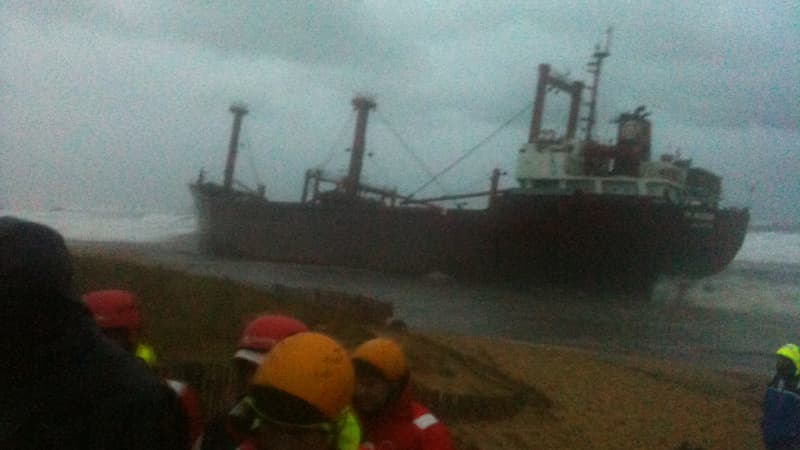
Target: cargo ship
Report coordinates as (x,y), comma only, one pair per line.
(597,216)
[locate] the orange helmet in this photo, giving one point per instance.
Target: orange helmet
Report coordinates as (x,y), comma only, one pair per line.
(312,367)
(114,309)
(260,335)
(385,355)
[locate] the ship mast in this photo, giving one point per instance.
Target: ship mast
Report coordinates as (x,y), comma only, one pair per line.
(351,183)
(549,80)
(594,68)
(238,110)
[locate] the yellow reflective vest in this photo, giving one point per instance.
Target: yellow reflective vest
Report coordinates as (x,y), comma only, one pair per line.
(147,354)
(349,431)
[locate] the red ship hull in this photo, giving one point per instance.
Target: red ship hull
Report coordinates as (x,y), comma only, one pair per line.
(598,242)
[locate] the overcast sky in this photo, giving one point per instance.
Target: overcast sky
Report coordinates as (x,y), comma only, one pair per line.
(119,104)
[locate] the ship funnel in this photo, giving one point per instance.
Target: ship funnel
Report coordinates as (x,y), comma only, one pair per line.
(238,110)
(634,131)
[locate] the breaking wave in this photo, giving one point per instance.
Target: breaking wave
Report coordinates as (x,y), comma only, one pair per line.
(109,225)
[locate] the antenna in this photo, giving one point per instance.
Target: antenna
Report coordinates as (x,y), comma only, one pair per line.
(594,67)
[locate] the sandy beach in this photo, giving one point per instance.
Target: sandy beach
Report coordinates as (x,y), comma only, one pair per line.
(709,326)
(558,369)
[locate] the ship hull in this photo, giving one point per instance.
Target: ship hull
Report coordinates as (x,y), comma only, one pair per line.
(596,242)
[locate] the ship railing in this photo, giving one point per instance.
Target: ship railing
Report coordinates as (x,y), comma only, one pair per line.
(318,177)
(445,198)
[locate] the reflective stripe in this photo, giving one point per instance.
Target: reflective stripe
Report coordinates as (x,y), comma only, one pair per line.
(177,386)
(424,421)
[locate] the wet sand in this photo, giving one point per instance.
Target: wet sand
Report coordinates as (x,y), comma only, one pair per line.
(668,326)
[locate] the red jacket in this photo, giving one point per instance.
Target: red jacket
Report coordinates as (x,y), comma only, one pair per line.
(190,401)
(405,425)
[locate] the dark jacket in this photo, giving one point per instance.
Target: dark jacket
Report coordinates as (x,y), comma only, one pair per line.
(226,431)
(219,435)
(62,385)
(780,425)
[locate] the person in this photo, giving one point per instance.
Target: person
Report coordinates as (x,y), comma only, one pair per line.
(391,418)
(119,318)
(258,338)
(780,425)
(227,431)
(297,398)
(62,385)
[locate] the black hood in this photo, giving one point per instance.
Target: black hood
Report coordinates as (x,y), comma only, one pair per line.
(33,258)
(37,304)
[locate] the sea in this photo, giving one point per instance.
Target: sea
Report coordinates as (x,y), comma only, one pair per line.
(731,320)
(765,275)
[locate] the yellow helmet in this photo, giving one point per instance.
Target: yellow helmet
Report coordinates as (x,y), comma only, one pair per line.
(385,355)
(312,367)
(791,352)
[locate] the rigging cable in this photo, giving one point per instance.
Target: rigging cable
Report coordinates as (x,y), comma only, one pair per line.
(408,149)
(472,150)
(386,178)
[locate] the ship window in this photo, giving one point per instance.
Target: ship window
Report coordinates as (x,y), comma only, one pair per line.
(619,187)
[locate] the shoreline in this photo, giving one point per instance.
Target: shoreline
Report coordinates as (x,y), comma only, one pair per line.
(577,383)
(666,327)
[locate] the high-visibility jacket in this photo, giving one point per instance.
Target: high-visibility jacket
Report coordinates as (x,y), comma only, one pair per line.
(405,425)
(349,431)
(147,354)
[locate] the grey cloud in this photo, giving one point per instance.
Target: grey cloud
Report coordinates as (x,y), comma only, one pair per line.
(125,102)
(325,33)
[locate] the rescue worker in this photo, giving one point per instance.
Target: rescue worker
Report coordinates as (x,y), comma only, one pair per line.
(258,338)
(391,418)
(118,316)
(61,384)
(780,425)
(227,431)
(297,397)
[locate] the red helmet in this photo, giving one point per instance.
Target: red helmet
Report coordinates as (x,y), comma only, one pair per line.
(263,333)
(114,309)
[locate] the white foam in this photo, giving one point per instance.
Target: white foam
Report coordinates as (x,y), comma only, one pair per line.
(106,225)
(770,247)
(736,291)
